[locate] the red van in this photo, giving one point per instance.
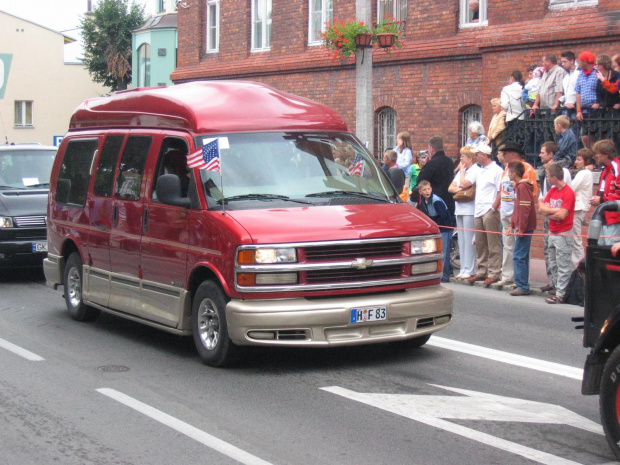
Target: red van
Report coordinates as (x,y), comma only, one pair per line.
(241,215)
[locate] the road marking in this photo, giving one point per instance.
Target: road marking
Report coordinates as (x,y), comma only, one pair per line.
(507,357)
(432,411)
(210,441)
(19,351)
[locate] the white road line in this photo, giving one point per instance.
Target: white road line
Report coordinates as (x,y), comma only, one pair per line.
(19,351)
(210,441)
(507,357)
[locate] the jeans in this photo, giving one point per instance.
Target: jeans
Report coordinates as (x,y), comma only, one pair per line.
(521,261)
(446,239)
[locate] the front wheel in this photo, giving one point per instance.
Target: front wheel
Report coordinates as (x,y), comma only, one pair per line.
(610,401)
(209,327)
(78,310)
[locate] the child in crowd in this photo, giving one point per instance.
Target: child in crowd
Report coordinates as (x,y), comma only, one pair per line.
(522,224)
(437,210)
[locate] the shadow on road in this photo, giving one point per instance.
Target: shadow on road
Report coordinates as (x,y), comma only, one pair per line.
(22,275)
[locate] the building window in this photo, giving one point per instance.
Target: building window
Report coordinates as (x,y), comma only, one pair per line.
(144,65)
(261,24)
(471,114)
(23,113)
(569,3)
(161,6)
(321,12)
(386,130)
(473,13)
(213,26)
(396,9)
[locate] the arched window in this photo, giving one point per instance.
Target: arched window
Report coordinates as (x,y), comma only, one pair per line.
(470,114)
(386,130)
(144,65)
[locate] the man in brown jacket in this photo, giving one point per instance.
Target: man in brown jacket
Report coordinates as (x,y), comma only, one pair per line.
(522,224)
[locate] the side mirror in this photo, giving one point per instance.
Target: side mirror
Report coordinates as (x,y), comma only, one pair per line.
(169,191)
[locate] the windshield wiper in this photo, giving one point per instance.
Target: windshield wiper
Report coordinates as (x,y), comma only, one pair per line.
(263,197)
(348,194)
(3,187)
(43,184)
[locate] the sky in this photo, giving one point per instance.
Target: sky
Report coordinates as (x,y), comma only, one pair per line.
(60,15)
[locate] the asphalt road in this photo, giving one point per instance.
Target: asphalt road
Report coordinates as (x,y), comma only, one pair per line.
(116,392)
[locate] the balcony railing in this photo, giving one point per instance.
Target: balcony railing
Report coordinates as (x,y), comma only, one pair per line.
(533,131)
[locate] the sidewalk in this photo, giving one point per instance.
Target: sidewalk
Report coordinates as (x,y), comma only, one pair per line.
(538,278)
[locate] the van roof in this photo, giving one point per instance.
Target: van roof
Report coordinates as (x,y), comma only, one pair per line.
(207,107)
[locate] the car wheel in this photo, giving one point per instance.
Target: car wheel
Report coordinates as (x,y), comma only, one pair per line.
(78,310)
(610,401)
(209,327)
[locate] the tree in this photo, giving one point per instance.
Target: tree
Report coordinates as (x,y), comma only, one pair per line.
(107,41)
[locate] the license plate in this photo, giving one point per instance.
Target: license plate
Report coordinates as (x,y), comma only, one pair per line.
(39,246)
(361,315)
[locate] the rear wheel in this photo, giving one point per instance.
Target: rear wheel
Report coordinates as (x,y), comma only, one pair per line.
(209,326)
(610,401)
(73,291)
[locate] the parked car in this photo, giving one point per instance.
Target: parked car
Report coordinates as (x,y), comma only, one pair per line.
(294,236)
(24,186)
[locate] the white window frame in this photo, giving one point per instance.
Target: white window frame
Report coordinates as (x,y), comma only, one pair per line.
(24,120)
(144,65)
(398,9)
(470,114)
(261,9)
(327,16)
(213,7)
(386,130)
(482,14)
(559,4)
(161,6)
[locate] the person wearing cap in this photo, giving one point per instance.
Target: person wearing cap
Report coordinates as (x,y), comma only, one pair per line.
(585,89)
(551,89)
(511,152)
(486,218)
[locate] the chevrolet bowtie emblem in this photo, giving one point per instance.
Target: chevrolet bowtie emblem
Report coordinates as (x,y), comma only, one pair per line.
(361,263)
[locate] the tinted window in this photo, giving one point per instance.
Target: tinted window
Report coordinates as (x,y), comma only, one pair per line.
(132,167)
(104,180)
(75,171)
(26,169)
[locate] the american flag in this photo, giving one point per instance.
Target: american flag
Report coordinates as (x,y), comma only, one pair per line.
(207,158)
(357,166)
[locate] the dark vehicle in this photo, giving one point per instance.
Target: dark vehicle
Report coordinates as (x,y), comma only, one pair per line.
(601,327)
(24,184)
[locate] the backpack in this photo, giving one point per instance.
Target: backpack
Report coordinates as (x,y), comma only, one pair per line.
(574,291)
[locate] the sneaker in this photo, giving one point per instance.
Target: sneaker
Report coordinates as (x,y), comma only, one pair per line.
(504,283)
(518,291)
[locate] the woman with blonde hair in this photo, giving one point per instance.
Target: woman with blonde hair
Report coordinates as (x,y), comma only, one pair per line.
(464,211)
(497,124)
(403,149)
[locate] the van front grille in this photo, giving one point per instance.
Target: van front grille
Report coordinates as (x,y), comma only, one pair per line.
(337,275)
(30,221)
(353,251)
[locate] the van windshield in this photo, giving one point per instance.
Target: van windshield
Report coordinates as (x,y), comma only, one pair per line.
(272,170)
(26,169)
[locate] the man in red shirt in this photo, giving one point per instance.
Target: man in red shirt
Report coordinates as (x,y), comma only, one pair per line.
(559,207)
(606,155)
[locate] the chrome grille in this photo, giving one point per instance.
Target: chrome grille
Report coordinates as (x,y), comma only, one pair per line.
(339,275)
(348,252)
(30,221)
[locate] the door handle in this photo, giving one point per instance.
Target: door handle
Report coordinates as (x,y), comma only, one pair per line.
(145,221)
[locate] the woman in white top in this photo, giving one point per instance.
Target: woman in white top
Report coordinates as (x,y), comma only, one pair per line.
(476,134)
(582,186)
(511,97)
(464,211)
(403,149)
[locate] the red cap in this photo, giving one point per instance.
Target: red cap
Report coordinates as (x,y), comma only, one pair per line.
(587,57)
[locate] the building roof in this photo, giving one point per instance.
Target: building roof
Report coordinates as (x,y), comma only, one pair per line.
(205,107)
(165,21)
(67,39)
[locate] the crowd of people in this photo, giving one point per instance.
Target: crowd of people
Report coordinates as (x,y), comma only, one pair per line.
(493,203)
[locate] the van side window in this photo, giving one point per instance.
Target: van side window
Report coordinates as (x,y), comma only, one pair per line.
(104,179)
(173,160)
(132,167)
(74,172)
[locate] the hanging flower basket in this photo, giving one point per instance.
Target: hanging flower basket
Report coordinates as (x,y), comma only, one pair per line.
(363,39)
(385,40)
(341,37)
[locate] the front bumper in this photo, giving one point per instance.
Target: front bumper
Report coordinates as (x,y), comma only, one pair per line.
(326,321)
(19,254)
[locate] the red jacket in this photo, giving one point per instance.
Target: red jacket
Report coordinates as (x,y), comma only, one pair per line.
(610,189)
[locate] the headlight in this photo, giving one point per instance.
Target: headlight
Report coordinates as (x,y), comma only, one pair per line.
(6,222)
(266,256)
(423,246)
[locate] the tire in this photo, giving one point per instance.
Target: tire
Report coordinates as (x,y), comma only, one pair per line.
(610,401)
(209,327)
(73,280)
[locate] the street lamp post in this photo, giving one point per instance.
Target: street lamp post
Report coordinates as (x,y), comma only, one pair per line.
(363,77)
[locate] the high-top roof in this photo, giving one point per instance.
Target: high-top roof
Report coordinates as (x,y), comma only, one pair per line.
(207,107)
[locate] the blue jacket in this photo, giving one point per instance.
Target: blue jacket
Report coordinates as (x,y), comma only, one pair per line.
(437,210)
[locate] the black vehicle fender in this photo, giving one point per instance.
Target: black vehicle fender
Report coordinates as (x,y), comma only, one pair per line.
(596,360)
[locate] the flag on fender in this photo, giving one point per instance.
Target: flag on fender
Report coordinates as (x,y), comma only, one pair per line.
(207,158)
